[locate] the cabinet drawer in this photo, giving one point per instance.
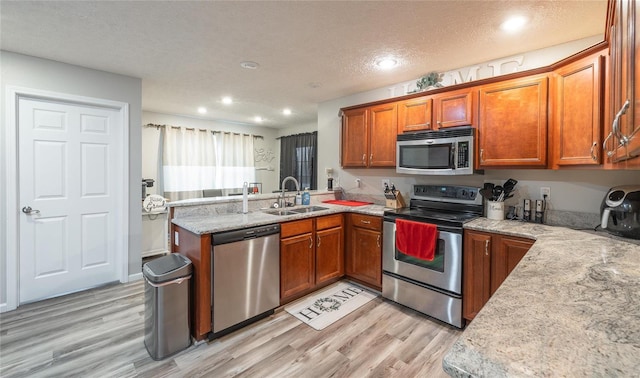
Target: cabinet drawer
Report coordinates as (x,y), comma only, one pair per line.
(296,228)
(366,221)
(329,221)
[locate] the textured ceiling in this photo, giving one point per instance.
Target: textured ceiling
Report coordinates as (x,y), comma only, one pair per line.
(188,53)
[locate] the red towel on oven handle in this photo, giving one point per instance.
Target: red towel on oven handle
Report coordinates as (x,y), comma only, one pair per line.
(416,239)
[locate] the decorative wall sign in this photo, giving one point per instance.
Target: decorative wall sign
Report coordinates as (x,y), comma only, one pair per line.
(262,154)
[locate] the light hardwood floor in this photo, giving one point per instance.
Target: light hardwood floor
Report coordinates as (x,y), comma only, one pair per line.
(100,333)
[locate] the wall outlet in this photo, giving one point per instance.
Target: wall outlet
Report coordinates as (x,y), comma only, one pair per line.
(328,171)
(545,191)
(386,183)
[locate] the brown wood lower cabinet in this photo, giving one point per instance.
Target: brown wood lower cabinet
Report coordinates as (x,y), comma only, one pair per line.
(487,261)
(364,250)
(311,255)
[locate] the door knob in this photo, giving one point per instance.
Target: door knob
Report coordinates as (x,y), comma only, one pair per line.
(28,210)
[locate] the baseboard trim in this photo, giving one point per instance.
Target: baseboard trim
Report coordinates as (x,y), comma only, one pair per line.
(135,277)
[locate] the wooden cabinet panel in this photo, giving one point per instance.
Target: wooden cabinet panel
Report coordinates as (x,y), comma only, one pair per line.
(366,221)
(414,114)
(623,143)
(294,228)
(476,286)
(329,221)
(578,109)
(455,108)
(488,259)
(296,265)
(355,138)
(513,123)
(364,250)
(382,138)
(329,254)
(198,249)
(369,136)
(507,253)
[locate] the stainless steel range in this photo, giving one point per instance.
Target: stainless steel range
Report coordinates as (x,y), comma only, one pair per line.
(433,287)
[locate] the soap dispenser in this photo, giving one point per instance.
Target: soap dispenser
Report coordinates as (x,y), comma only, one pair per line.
(298,199)
(306,197)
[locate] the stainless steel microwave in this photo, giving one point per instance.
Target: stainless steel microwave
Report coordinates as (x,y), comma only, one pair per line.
(440,152)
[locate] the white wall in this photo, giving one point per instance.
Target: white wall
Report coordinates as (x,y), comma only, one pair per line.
(35,73)
(269,144)
(574,190)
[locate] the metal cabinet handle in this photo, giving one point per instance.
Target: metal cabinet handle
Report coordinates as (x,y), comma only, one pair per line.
(594,155)
(486,247)
(378,240)
(365,221)
(615,131)
(28,210)
(370,158)
(428,124)
(439,123)
(318,240)
(364,156)
(482,154)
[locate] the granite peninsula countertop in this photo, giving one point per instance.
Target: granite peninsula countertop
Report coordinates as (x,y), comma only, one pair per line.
(571,307)
(206,224)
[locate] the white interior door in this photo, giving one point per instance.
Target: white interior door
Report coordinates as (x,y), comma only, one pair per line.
(69,161)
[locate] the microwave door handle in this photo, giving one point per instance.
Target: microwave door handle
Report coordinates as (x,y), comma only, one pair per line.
(452,157)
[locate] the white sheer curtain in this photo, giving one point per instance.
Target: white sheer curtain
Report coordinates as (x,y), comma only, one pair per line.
(189,162)
(235,159)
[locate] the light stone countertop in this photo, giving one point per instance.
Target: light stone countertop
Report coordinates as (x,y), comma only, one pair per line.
(216,223)
(571,307)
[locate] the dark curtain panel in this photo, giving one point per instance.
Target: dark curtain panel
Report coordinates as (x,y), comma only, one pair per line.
(298,158)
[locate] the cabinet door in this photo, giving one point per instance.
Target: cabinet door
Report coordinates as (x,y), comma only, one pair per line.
(455,108)
(355,138)
(577,124)
(383,122)
(624,77)
(329,255)
(513,123)
(508,251)
(364,257)
(296,265)
(414,114)
(476,281)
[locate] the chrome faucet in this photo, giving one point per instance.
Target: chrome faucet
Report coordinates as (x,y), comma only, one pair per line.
(281,200)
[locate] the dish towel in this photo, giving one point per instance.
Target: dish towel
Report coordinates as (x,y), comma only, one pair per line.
(416,239)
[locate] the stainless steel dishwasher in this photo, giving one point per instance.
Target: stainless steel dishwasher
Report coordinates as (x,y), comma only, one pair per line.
(245,277)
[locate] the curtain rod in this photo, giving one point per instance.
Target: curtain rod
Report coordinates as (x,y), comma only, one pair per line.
(286,136)
(192,128)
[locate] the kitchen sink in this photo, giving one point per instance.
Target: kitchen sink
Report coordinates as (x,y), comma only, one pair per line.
(309,209)
(280,212)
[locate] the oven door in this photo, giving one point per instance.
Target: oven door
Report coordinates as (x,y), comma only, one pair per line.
(444,272)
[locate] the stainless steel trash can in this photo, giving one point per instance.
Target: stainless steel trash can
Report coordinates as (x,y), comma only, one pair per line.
(166,310)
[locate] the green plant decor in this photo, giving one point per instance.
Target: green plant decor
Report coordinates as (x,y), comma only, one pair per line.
(432,79)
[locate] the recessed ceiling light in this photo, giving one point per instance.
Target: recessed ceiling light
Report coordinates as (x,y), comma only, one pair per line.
(286,111)
(258,119)
(386,63)
(202,110)
(249,65)
(227,100)
(513,24)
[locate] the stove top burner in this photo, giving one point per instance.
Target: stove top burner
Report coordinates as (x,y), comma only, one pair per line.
(442,205)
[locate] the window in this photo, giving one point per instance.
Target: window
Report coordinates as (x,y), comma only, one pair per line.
(298,158)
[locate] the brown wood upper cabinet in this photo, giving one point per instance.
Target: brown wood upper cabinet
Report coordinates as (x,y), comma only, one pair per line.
(577,100)
(415,114)
(447,109)
(455,108)
(369,136)
(622,146)
(311,255)
(513,123)
(488,259)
